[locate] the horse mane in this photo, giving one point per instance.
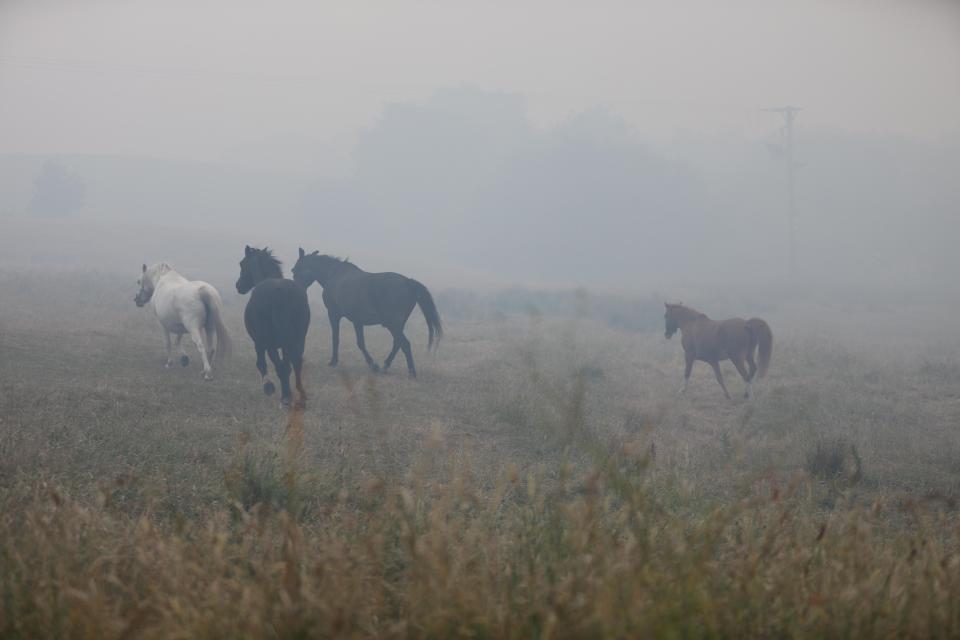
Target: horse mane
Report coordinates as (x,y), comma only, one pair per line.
(272,261)
(689,312)
(336,259)
(156,270)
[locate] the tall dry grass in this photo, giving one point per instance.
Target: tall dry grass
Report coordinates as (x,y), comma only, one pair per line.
(586,552)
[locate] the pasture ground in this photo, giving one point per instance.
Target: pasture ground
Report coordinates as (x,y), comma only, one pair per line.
(542,478)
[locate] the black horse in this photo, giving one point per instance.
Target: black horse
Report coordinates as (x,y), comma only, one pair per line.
(277,317)
(364,299)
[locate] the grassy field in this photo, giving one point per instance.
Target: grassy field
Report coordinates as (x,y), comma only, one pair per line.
(542,478)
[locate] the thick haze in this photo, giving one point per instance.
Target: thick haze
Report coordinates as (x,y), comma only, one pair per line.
(568,143)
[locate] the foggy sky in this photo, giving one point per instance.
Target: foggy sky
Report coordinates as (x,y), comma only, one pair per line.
(222,80)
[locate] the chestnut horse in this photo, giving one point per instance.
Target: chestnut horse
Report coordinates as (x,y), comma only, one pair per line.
(713,341)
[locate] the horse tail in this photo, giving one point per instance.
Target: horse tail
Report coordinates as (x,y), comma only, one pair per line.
(211,301)
(429,309)
(760,330)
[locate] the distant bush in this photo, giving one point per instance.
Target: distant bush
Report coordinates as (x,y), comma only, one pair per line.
(939,370)
(633,314)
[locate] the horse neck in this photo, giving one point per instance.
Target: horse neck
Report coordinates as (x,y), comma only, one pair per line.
(267,270)
(689,318)
(165,272)
(172,275)
(333,270)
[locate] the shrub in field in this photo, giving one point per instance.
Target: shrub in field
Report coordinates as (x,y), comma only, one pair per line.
(834,458)
(268,477)
(257,478)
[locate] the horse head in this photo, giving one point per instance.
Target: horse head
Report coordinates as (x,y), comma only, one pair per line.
(257,265)
(312,267)
(671,319)
(146,288)
(148,281)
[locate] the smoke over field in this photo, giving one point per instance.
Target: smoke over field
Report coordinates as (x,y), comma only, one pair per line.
(552,175)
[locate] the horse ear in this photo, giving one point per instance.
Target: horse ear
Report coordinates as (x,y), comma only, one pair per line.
(248,250)
(144,268)
(302,252)
(316,252)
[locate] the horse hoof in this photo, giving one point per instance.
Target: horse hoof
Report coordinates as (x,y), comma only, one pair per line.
(284,403)
(268,388)
(375,367)
(184,361)
(208,376)
(333,363)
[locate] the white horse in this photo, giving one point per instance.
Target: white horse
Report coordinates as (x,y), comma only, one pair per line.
(185,306)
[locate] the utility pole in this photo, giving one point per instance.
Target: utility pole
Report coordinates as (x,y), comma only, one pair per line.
(786,133)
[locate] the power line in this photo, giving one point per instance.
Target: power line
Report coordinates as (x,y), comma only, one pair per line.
(65,64)
(789,115)
(283,74)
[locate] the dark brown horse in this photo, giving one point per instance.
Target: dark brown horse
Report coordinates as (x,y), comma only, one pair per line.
(713,341)
(277,317)
(367,299)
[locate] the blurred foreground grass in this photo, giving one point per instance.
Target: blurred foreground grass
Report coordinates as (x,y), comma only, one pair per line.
(541,479)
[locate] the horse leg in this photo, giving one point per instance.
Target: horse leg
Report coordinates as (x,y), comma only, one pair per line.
(184,358)
(751,363)
(393,351)
(211,350)
(302,393)
(363,347)
(742,370)
(716,371)
(268,387)
(166,340)
(199,341)
(408,354)
(282,367)
(335,335)
(296,358)
(686,372)
(393,354)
